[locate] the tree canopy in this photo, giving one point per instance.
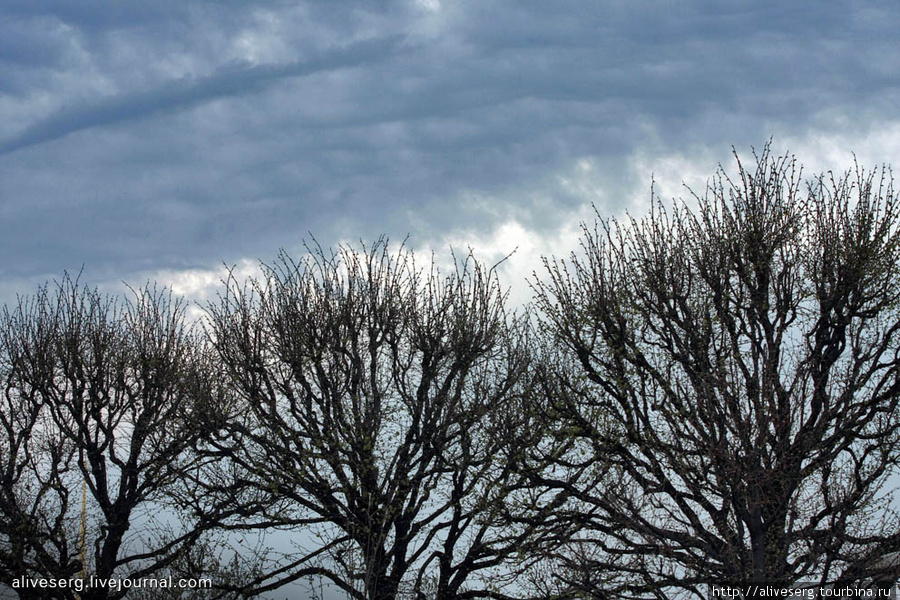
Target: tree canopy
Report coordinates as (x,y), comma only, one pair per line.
(737,371)
(377,407)
(98,402)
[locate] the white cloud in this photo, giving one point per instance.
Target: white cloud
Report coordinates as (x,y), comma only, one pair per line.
(833,145)
(432,5)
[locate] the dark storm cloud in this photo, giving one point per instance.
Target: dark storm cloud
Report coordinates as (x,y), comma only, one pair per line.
(183,134)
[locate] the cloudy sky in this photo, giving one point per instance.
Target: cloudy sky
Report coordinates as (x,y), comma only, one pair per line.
(164,139)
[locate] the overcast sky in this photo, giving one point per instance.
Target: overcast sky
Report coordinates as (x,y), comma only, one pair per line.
(162,139)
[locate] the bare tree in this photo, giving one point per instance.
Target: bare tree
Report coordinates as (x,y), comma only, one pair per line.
(377,418)
(737,375)
(38,532)
(99,394)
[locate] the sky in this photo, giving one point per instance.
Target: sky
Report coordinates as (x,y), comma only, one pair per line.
(167,140)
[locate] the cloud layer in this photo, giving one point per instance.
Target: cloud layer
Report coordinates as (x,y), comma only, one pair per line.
(165,136)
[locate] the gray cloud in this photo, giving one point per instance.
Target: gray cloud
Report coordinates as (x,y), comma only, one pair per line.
(186,133)
(184,93)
